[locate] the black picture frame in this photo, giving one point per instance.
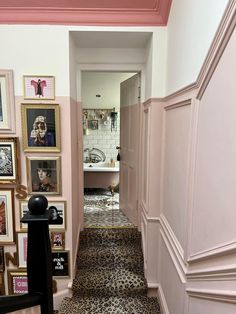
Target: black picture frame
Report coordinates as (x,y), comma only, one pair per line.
(60,264)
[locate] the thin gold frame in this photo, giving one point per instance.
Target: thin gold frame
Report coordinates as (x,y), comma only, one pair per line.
(58,174)
(13,143)
(9,237)
(11,273)
(29,94)
(52,237)
(25,127)
(7,125)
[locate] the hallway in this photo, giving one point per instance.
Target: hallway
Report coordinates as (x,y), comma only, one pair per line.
(101,209)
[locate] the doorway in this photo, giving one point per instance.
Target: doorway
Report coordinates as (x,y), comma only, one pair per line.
(100,94)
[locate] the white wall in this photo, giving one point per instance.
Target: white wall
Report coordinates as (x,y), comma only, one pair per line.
(107,84)
(191,27)
(40,50)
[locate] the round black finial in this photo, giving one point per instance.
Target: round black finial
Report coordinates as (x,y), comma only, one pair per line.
(38,204)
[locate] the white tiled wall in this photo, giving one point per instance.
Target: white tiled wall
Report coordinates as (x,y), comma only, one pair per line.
(104,139)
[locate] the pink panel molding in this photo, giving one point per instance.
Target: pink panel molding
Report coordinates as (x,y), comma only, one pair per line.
(135,13)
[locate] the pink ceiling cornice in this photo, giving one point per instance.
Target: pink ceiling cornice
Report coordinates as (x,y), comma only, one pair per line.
(119,13)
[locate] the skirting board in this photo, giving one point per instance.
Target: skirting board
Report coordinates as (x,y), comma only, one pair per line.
(57,297)
(156,287)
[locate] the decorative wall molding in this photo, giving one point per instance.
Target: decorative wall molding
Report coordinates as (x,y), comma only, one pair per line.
(225,273)
(213,295)
(162,300)
(150,218)
(144,14)
(179,265)
(221,250)
(179,104)
(214,54)
(217,48)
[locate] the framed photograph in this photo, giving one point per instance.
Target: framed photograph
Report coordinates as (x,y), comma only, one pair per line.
(57,224)
(2,263)
(93,124)
(22,242)
(7,112)
(40,127)
(2,285)
(9,160)
(7,223)
(44,175)
(58,240)
(17,281)
(60,264)
(39,87)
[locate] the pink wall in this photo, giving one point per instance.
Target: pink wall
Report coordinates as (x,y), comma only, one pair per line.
(188,196)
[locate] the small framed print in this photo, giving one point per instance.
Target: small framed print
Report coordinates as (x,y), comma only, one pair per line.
(17,281)
(7,223)
(58,240)
(41,127)
(2,263)
(22,242)
(9,160)
(59,213)
(44,175)
(7,116)
(60,264)
(2,285)
(39,87)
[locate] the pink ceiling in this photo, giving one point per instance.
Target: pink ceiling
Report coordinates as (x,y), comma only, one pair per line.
(86,12)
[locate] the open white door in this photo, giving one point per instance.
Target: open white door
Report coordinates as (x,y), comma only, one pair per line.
(129,146)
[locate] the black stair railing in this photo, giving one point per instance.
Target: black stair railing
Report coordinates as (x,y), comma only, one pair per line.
(39,262)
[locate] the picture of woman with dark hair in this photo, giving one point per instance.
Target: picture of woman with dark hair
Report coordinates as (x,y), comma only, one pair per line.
(56,219)
(45,183)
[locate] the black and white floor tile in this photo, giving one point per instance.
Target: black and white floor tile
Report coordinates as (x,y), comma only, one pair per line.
(101,209)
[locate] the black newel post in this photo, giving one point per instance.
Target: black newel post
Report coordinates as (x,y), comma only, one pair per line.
(39,257)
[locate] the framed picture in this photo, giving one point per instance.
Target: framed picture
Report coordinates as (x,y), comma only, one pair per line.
(7,112)
(93,124)
(2,285)
(44,175)
(40,127)
(2,263)
(60,264)
(22,242)
(7,223)
(9,160)
(39,87)
(57,224)
(17,281)
(58,240)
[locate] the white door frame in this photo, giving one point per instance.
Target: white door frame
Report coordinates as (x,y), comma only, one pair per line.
(114,67)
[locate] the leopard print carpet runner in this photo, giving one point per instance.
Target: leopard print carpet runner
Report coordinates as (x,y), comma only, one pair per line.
(110,277)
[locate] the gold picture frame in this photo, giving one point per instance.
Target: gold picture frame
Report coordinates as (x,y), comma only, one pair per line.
(7,224)
(9,160)
(17,281)
(7,111)
(41,127)
(44,175)
(39,87)
(57,240)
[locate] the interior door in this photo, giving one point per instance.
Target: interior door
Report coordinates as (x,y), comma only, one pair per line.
(129,146)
